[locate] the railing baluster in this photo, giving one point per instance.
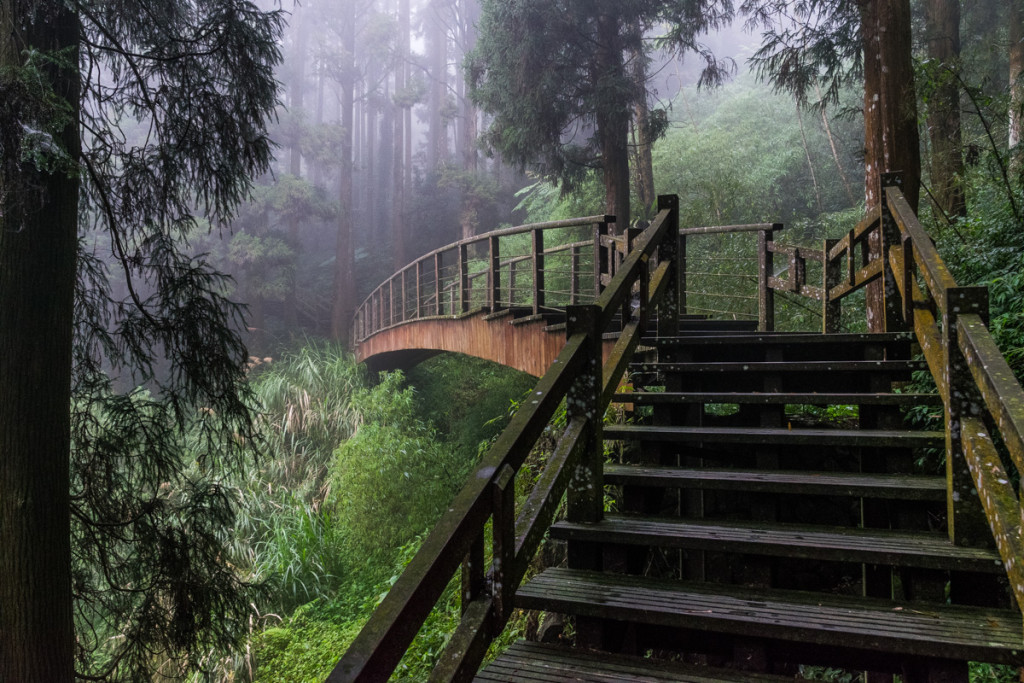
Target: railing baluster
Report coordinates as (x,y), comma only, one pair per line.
(966,518)
(831,311)
(474,579)
(494,274)
(890,237)
(574,272)
(537,243)
(765,294)
(503,544)
(437,283)
(463,278)
(673,250)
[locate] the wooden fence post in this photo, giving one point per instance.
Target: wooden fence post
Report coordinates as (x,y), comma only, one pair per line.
(419,289)
(673,251)
(831,311)
(574,275)
(437,283)
(585,497)
(463,278)
(503,544)
(601,262)
(538,269)
(894,320)
(765,294)
(494,275)
(967,522)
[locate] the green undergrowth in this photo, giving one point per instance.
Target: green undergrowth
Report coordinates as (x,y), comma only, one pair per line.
(355,473)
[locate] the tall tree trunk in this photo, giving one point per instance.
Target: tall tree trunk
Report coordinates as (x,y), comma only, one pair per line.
(437,44)
(891,141)
(469,130)
(942,29)
(38,246)
(398,227)
(643,162)
(1016,19)
(344,262)
(613,122)
(297,92)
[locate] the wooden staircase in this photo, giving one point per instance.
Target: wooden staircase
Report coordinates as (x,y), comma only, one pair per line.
(766,507)
(753,536)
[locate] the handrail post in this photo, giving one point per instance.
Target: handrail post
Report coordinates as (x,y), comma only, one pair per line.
(601,262)
(673,251)
(765,294)
(437,283)
(894,308)
(463,278)
(503,544)
(537,243)
(574,274)
(968,525)
(831,311)
(627,305)
(403,299)
(585,496)
(494,275)
(419,289)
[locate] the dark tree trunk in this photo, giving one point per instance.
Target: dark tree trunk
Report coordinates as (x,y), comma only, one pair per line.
(398,227)
(297,97)
(891,141)
(437,44)
(643,163)
(344,263)
(38,245)
(613,122)
(942,27)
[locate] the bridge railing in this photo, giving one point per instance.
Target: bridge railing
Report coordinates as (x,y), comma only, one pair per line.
(533,267)
(983,403)
(493,565)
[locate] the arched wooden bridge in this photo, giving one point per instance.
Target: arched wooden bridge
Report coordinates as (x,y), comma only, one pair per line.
(738,534)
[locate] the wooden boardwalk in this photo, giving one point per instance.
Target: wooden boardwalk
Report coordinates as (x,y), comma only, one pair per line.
(734,536)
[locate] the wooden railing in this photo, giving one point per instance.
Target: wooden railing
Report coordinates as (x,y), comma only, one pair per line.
(573,471)
(534,267)
(980,394)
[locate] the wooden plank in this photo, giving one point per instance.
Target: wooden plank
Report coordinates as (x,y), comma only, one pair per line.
(860,278)
(789,339)
(744,398)
(845,484)
(717,229)
(530,662)
(1002,508)
(865,624)
(814,437)
(931,266)
(1003,395)
(467,646)
(812,542)
(815,366)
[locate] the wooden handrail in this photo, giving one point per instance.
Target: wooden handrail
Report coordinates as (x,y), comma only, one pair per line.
(577,374)
(391,303)
(977,386)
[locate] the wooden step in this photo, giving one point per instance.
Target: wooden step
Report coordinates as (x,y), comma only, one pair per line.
(896,438)
(839,544)
(791,398)
(864,624)
(529,662)
(844,484)
(785,339)
(902,367)
(746,326)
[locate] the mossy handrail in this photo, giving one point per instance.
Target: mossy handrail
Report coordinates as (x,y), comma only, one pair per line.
(574,470)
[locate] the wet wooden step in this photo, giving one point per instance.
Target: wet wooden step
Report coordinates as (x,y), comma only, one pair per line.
(864,624)
(895,367)
(529,662)
(839,544)
(786,339)
(897,438)
(844,484)
(791,398)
